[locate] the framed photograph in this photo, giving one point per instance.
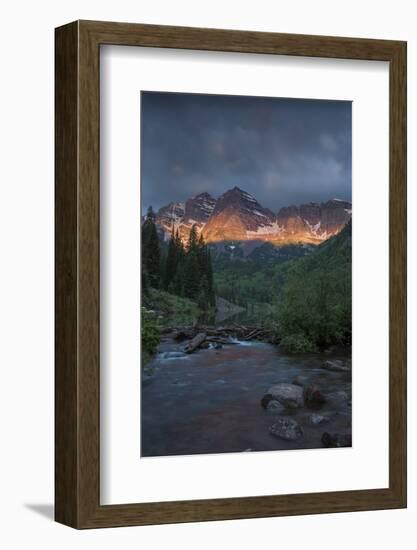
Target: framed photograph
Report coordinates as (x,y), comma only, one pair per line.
(230,274)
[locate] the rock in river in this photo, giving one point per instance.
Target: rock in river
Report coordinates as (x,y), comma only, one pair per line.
(265,400)
(274,407)
(313,396)
(318,419)
(336,440)
(286,428)
(300,380)
(336,366)
(289,395)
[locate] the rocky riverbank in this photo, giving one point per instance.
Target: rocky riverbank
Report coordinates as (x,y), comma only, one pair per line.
(224,334)
(234,393)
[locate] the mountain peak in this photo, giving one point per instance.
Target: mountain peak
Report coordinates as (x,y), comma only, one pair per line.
(203,195)
(238,191)
(198,209)
(237,216)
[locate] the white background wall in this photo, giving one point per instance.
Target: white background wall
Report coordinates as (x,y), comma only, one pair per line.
(26,271)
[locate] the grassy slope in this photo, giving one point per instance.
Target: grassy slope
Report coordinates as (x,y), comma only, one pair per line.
(314,305)
(170,309)
(159,309)
(268,287)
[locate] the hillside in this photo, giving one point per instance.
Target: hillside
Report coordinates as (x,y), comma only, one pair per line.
(314,306)
(305,294)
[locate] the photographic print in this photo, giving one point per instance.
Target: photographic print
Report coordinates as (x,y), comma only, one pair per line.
(246,268)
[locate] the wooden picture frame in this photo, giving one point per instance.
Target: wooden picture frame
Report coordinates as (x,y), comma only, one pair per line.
(77,404)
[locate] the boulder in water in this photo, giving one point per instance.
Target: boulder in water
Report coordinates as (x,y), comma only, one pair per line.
(342,395)
(289,395)
(336,440)
(286,428)
(265,400)
(274,407)
(318,419)
(300,380)
(336,366)
(339,397)
(313,396)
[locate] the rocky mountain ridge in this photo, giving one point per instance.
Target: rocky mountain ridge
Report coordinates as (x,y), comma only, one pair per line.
(237,216)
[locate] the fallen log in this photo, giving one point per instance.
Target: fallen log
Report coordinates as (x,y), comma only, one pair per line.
(252,334)
(181,335)
(220,340)
(195,343)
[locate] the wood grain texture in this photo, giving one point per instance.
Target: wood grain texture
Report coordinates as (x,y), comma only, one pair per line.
(78,284)
(66,237)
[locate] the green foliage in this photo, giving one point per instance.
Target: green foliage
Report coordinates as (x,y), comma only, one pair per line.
(169,309)
(304,294)
(297,343)
(151,255)
(188,271)
(150,335)
(192,245)
(254,280)
(305,300)
(314,306)
(183,271)
(174,258)
(191,275)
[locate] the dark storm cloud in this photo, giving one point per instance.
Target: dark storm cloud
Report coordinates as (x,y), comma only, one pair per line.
(282,151)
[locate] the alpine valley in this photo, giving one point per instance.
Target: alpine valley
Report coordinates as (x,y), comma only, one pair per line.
(246,291)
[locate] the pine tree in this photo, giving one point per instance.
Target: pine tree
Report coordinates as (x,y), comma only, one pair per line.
(187,270)
(145,283)
(192,245)
(171,262)
(206,271)
(180,248)
(210,281)
(203,296)
(178,283)
(191,275)
(151,255)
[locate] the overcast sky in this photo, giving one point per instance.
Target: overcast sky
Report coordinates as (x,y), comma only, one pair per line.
(282,151)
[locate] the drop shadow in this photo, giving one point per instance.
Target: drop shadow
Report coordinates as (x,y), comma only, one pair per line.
(45,510)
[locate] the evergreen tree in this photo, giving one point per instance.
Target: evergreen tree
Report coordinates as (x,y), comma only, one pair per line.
(187,270)
(210,282)
(192,245)
(151,254)
(206,271)
(178,283)
(171,262)
(180,248)
(203,300)
(145,283)
(191,275)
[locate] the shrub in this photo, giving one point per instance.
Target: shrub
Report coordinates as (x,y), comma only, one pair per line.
(298,343)
(150,335)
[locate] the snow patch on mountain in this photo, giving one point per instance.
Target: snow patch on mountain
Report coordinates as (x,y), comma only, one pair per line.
(272,229)
(237,216)
(313,228)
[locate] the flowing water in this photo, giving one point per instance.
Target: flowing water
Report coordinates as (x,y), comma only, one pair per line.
(209,401)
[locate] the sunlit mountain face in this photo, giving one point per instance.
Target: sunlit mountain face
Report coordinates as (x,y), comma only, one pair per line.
(237,216)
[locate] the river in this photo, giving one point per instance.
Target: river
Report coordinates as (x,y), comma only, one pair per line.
(210,401)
